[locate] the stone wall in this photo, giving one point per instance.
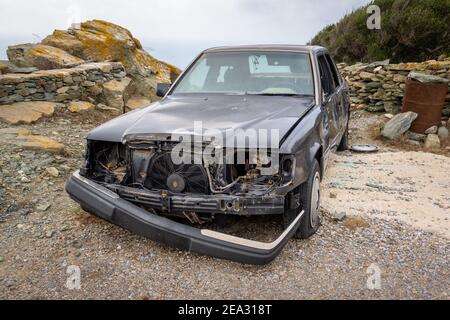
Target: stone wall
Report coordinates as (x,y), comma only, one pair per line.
(379,86)
(88,82)
(94,41)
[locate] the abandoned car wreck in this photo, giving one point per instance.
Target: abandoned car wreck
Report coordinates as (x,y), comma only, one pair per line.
(294,95)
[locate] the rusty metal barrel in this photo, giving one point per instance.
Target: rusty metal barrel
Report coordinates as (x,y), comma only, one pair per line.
(425,99)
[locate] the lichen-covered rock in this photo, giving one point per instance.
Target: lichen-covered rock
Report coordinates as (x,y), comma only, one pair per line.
(98,40)
(65,41)
(398,125)
(4,68)
(24,138)
(115,92)
(26,112)
(41,56)
(80,106)
(137,102)
(93,41)
(104,107)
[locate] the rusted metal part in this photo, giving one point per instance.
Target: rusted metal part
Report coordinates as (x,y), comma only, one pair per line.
(427,100)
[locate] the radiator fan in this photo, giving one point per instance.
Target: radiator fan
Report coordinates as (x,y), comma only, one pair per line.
(163,174)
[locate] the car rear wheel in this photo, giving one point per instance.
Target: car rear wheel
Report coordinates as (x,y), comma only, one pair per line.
(309,197)
(343,145)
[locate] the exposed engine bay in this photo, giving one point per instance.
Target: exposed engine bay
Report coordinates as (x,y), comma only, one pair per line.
(134,168)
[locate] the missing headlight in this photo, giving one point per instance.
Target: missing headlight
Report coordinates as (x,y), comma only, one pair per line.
(288,167)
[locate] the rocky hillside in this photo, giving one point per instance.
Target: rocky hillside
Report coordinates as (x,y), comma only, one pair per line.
(95,61)
(411,30)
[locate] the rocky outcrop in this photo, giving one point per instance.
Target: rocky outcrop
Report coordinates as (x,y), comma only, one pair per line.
(379,86)
(41,56)
(70,53)
(99,40)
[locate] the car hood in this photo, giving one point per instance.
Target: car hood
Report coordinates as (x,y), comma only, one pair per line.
(218,113)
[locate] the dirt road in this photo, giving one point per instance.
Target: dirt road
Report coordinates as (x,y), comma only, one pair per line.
(397,206)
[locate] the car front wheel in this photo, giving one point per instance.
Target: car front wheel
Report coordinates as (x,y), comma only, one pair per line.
(309,196)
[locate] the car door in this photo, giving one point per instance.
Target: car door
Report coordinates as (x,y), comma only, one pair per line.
(330,101)
(341,95)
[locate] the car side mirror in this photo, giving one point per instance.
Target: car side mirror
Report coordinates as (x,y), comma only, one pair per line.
(162,89)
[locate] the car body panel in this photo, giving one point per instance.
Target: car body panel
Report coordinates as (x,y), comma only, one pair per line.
(225,114)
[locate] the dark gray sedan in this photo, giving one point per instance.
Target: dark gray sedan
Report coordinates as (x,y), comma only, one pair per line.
(243,131)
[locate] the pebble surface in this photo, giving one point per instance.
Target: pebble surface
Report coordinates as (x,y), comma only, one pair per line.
(44,234)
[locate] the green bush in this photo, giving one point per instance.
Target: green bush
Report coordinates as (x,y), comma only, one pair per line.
(411,30)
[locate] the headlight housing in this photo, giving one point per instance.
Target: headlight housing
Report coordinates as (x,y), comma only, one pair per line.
(287,167)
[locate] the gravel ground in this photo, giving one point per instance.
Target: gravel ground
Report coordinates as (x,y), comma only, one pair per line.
(43,232)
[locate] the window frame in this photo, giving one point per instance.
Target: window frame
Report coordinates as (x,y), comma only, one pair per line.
(334,70)
(330,76)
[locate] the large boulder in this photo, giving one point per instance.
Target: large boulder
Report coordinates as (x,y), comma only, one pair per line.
(137,102)
(116,92)
(98,40)
(398,125)
(41,56)
(26,112)
(65,41)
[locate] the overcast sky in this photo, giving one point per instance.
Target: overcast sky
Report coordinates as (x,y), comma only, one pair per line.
(176,30)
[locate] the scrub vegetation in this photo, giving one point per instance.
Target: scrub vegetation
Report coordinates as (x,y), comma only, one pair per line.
(410,31)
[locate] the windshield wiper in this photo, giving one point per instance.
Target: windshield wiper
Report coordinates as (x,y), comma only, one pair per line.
(280,94)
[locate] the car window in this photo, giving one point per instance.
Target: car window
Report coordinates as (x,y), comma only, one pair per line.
(326,78)
(265,73)
(334,72)
(198,76)
(258,64)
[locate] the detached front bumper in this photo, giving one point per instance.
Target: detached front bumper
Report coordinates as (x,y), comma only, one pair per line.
(108,205)
(220,203)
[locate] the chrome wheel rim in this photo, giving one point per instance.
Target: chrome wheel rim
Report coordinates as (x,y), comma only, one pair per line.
(315,201)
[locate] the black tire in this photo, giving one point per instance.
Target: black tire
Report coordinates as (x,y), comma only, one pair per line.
(343,145)
(311,220)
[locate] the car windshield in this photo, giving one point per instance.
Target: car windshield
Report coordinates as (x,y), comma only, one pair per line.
(258,73)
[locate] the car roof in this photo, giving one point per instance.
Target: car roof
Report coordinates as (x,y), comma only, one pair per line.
(267,47)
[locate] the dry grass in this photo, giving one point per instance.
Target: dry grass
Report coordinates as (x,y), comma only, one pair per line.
(355,222)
